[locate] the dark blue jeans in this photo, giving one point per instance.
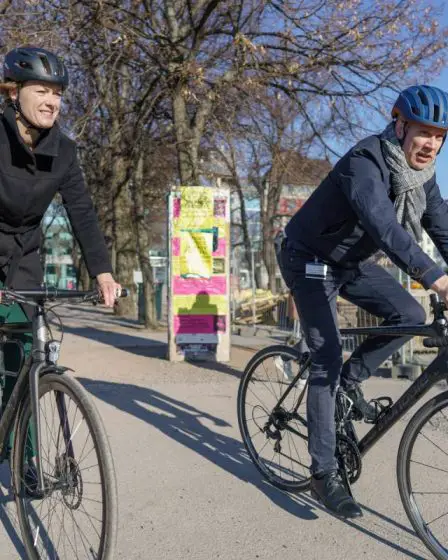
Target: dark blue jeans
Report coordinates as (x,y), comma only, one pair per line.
(370,287)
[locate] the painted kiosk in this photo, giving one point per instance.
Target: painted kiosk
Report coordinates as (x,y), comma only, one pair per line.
(198,290)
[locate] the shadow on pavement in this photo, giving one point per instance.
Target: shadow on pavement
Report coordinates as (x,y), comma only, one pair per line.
(142,346)
(184,423)
(7,518)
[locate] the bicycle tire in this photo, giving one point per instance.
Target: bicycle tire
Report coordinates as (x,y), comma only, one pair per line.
(405,478)
(68,465)
(297,483)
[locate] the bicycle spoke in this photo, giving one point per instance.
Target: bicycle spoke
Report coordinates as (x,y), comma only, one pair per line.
(429,466)
(297,453)
(258,398)
(90,517)
(82,534)
(422,470)
(435,445)
(438,493)
(437,518)
(270,384)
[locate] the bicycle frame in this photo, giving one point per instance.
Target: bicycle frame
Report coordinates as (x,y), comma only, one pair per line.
(436,371)
(30,371)
(33,367)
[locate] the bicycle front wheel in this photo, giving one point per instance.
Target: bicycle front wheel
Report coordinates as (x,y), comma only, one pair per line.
(275,434)
(422,473)
(75,515)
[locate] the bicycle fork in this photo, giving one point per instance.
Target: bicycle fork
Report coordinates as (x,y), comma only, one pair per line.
(36,369)
(39,350)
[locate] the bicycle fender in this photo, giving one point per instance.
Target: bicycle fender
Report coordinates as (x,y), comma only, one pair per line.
(54,369)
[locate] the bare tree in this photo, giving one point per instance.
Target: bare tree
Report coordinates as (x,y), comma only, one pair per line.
(178,65)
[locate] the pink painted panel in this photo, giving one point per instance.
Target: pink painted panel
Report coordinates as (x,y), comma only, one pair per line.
(221,249)
(199,324)
(175,247)
(176,207)
(192,286)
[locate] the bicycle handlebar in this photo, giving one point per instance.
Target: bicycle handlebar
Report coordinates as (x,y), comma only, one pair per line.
(51,294)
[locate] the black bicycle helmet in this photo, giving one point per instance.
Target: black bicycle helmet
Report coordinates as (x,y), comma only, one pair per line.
(423,104)
(31,63)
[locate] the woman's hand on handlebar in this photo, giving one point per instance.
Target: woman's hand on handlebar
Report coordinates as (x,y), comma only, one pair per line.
(110,290)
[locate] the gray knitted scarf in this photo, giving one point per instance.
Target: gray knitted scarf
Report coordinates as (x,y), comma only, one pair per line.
(407,183)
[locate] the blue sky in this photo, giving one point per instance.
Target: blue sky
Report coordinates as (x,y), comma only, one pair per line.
(442,159)
(440,81)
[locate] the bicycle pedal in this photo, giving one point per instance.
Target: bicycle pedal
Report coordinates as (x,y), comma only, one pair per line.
(382,405)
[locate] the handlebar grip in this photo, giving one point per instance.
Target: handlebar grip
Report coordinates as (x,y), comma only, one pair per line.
(434,299)
(436,342)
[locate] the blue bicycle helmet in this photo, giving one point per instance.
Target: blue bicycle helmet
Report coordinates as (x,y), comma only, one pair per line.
(423,104)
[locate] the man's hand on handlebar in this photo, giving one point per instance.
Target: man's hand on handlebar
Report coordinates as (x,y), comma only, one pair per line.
(110,290)
(440,286)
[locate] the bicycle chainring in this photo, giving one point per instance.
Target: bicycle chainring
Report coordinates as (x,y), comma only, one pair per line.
(348,452)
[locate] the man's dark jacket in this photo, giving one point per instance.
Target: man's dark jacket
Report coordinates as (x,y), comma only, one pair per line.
(351,215)
(28,182)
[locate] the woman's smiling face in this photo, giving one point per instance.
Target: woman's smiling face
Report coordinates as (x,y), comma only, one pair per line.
(40,102)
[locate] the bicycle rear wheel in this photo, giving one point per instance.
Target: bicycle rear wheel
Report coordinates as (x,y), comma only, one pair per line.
(422,473)
(76,514)
(276,436)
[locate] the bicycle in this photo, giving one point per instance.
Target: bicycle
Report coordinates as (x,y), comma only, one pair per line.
(61,462)
(272,433)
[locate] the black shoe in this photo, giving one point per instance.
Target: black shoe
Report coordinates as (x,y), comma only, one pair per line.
(331,492)
(364,409)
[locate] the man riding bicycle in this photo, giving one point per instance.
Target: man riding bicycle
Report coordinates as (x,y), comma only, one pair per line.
(379,196)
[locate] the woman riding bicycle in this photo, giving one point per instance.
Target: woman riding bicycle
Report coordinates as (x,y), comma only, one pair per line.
(380,195)
(38,160)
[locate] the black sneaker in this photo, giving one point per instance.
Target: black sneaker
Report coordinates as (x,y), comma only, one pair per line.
(331,492)
(363,408)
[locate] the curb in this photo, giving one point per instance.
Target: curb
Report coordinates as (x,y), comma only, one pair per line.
(247,348)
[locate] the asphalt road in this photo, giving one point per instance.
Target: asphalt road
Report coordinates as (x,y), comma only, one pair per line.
(187,490)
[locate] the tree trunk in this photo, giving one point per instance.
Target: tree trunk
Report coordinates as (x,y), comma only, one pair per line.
(143,246)
(186,148)
(125,253)
(83,280)
(126,264)
(126,261)
(244,227)
(268,208)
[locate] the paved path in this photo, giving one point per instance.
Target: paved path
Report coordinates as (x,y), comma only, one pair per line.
(187,490)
